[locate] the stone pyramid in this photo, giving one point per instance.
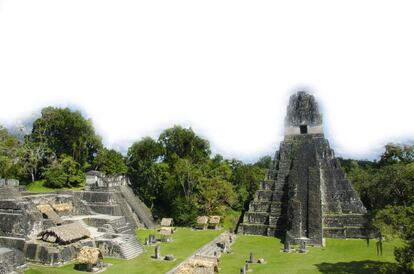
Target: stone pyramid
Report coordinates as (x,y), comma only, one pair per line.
(305,195)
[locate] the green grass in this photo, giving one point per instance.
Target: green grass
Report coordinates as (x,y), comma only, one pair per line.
(338,256)
(185,242)
(230,219)
(39,187)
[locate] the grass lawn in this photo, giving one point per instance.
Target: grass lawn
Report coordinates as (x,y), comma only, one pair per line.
(338,256)
(39,187)
(185,242)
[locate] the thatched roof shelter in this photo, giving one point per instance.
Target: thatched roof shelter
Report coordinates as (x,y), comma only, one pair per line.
(166,234)
(214,220)
(199,265)
(63,207)
(65,234)
(50,214)
(167,222)
(89,255)
(202,220)
(166,231)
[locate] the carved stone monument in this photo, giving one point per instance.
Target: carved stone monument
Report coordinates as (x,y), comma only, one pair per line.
(286,246)
(157,252)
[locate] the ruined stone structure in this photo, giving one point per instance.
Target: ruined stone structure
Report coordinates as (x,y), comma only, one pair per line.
(51,228)
(112,195)
(11,260)
(305,195)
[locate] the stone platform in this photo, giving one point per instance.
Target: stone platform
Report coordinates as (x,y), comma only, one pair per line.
(25,217)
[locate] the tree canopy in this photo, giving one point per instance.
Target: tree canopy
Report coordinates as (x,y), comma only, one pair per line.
(386,188)
(67,132)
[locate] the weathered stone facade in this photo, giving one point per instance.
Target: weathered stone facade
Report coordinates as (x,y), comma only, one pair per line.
(108,211)
(11,260)
(112,195)
(305,195)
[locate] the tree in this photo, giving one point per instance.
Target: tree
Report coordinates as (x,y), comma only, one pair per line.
(147,174)
(399,221)
(384,185)
(264,162)
(146,150)
(110,161)
(54,175)
(32,155)
(395,153)
(9,148)
(215,195)
(63,172)
(188,176)
(387,190)
(67,132)
(246,179)
(176,175)
(180,142)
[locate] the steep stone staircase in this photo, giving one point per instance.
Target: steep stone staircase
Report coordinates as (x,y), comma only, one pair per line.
(137,206)
(267,212)
(130,247)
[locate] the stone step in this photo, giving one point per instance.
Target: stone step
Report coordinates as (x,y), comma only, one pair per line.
(137,206)
(267,184)
(130,247)
(263,195)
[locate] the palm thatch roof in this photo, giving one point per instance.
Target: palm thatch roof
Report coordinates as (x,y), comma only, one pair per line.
(89,255)
(166,231)
(198,265)
(65,234)
(202,220)
(63,207)
(50,214)
(167,221)
(214,220)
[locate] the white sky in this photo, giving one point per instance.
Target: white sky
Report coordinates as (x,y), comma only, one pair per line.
(224,67)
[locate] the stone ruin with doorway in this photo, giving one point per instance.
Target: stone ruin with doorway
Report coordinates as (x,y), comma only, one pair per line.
(306,195)
(52,228)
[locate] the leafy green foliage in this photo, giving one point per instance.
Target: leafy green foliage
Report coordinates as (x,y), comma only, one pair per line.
(246,179)
(67,132)
(399,221)
(110,161)
(64,172)
(395,153)
(178,177)
(32,155)
(180,142)
(9,148)
(264,162)
(216,195)
(386,188)
(147,174)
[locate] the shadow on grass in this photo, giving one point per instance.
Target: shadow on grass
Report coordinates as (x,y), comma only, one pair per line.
(357,267)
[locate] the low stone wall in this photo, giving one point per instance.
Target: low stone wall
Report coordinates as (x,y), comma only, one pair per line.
(18,218)
(211,252)
(44,253)
(9,182)
(12,242)
(10,260)
(108,247)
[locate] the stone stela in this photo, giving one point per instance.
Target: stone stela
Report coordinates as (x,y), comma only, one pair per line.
(157,252)
(305,195)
